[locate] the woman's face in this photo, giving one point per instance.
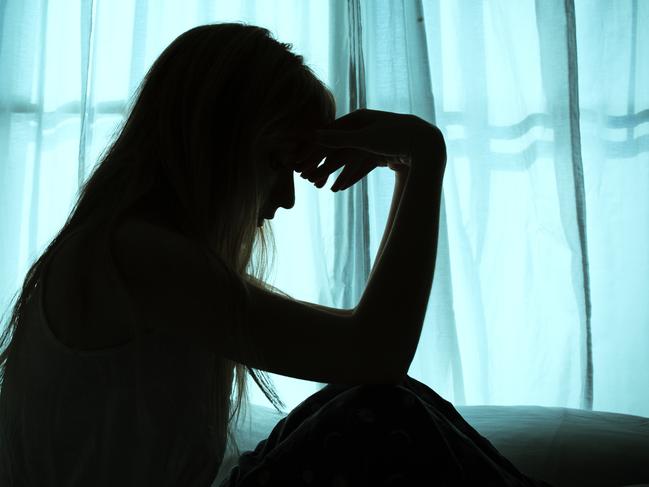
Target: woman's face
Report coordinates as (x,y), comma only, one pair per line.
(278,168)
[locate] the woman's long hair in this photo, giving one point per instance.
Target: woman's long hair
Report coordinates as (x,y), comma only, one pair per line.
(215,94)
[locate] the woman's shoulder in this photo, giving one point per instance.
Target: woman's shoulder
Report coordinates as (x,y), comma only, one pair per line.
(139,234)
(82,308)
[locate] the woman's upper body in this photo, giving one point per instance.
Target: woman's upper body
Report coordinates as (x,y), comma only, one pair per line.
(92,403)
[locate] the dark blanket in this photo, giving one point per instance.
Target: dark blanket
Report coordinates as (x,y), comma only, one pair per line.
(375,435)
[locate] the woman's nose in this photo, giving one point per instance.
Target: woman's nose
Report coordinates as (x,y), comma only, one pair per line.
(287,192)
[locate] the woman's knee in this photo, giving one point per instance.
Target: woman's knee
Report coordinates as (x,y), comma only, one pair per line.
(382,393)
(390,396)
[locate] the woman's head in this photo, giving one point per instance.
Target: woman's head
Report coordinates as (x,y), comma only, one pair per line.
(216,107)
(218,112)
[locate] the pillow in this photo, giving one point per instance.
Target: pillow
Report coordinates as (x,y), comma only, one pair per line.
(567,447)
(563,446)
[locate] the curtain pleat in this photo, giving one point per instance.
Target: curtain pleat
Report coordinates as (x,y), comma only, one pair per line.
(87,22)
(580,199)
(138,43)
(555,21)
(471,46)
(352,261)
(34,215)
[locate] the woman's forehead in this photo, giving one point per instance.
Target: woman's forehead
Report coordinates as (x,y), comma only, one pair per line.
(292,146)
(289,145)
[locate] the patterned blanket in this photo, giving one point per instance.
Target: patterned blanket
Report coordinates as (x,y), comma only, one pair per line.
(375,435)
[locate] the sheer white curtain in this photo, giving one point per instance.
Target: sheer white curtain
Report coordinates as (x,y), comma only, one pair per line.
(542,277)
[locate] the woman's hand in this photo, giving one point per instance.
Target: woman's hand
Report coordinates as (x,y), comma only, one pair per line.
(365,139)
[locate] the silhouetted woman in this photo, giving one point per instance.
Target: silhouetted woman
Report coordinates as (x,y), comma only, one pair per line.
(145,309)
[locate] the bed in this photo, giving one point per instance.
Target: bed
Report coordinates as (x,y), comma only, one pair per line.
(565,447)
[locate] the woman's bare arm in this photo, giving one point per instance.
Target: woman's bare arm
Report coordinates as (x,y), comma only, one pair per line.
(394,302)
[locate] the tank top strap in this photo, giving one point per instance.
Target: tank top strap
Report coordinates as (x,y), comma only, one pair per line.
(117,283)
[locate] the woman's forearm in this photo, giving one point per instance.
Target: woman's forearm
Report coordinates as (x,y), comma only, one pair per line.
(393,305)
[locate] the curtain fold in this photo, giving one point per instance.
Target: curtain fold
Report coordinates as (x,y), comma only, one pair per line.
(613,55)
(352,259)
(557,50)
(542,273)
(86,25)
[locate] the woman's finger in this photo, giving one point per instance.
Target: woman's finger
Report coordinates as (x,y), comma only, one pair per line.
(334,161)
(346,159)
(311,160)
(353,173)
